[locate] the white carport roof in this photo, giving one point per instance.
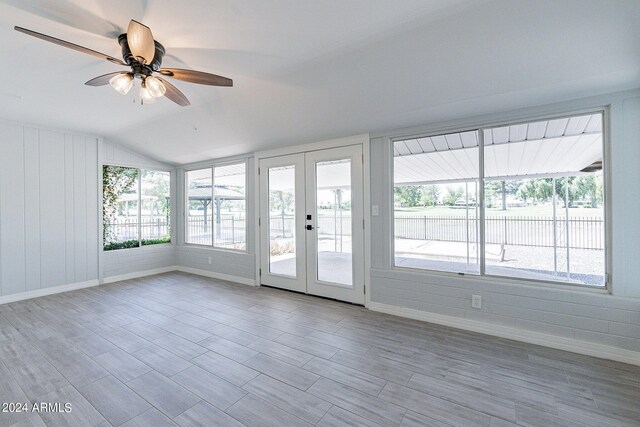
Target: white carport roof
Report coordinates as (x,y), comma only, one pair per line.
(331,175)
(545,148)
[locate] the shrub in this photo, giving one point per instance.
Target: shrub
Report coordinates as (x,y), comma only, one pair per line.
(127,244)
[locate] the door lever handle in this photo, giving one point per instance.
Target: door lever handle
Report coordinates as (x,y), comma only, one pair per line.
(309,227)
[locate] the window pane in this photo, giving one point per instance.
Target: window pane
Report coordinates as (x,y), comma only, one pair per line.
(198,206)
(544,198)
(435,210)
(282,220)
(229,208)
(120,207)
(154,226)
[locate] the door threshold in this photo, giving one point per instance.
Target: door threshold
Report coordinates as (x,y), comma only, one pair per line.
(311,295)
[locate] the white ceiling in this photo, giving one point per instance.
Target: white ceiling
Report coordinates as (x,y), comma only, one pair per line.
(311,70)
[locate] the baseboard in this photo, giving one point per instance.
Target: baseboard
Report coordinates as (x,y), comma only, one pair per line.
(214,275)
(47,291)
(137,274)
(196,271)
(546,340)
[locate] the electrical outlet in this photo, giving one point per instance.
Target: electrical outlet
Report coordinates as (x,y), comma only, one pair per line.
(209,260)
(476,301)
(374,210)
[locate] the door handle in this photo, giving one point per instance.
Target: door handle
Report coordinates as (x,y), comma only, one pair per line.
(309,227)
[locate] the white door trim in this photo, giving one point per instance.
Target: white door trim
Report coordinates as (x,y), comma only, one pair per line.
(299,282)
(355,292)
(362,139)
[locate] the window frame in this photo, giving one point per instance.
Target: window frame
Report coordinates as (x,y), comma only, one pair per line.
(480,127)
(139,192)
(212,167)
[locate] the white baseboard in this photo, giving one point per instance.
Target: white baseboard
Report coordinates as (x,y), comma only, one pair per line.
(137,274)
(47,291)
(196,271)
(214,275)
(546,340)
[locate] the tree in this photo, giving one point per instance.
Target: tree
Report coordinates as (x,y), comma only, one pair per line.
(584,187)
(430,195)
(156,184)
(587,188)
(280,201)
(409,195)
(116,181)
(453,194)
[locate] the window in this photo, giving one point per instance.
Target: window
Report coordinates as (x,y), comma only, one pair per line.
(229,206)
(216,206)
(136,207)
(436,214)
(543,208)
(199,216)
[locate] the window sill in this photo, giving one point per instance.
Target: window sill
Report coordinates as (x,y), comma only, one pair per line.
(505,280)
(215,248)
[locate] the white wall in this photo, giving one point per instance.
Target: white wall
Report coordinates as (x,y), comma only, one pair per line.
(562,311)
(48,208)
(126,262)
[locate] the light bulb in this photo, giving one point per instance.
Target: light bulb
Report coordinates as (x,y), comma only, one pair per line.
(155,87)
(145,95)
(122,83)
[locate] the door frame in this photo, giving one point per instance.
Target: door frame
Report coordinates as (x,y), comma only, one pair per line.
(362,139)
(292,283)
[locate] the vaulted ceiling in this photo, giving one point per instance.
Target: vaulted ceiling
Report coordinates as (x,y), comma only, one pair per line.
(312,70)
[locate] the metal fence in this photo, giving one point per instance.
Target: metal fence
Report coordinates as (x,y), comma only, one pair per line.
(228,230)
(150,228)
(282,227)
(582,233)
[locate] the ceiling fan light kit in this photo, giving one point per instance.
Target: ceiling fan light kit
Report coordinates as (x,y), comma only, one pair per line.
(144,55)
(154,87)
(122,83)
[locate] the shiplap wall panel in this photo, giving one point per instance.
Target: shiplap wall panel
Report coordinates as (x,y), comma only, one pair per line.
(48,208)
(92,202)
(32,208)
(12,210)
(52,209)
(69,213)
(80,208)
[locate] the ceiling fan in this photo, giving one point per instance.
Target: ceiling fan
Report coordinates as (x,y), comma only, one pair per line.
(144,55)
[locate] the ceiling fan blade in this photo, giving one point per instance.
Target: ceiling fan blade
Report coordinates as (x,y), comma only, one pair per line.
(69,45)
(103,79)
(140,41)
(174,94)
(196,77)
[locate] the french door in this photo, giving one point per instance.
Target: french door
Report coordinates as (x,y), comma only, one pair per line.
(311,223)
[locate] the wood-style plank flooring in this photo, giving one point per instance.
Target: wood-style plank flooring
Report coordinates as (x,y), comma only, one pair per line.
(187,350)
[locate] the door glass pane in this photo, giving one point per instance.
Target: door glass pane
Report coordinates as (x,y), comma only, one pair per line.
(333,214)
(282,220)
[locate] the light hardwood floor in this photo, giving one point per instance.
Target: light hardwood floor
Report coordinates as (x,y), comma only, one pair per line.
(182,349)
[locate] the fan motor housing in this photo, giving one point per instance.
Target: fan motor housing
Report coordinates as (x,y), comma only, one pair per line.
(133,62)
